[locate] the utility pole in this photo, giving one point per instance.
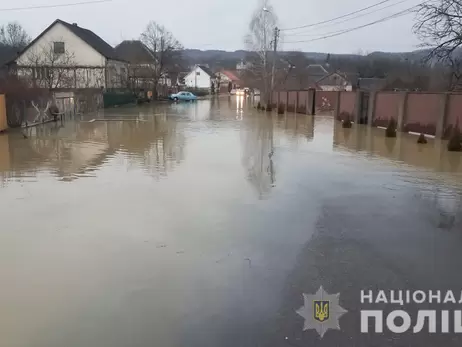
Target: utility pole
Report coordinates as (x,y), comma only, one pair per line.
(275,46)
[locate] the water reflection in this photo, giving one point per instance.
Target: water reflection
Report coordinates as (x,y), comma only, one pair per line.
(79,149)
(257,157)
(403,148)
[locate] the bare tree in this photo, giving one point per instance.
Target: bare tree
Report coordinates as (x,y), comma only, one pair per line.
(52,68)
(259,42)
(14,35)
(439,26)
(166,50)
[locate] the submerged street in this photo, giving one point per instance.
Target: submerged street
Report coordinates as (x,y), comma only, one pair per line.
(202,224)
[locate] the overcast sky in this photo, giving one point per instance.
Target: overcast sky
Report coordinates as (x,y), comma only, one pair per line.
(222,24)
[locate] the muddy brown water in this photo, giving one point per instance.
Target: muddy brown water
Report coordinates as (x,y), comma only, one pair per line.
(192,225)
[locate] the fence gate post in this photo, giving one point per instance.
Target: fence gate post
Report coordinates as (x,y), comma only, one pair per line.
(402,110)
(441,121)
(337,105)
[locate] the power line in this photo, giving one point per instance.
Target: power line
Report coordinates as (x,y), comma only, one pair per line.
(52,6)
(347,20)
(381,20)
(340,17)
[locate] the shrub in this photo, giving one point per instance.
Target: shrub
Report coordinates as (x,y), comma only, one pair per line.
(346,123)
(258,105)
(454,140)
(421,139)
(343,116)
(281,109)
(263,108)
(391,128)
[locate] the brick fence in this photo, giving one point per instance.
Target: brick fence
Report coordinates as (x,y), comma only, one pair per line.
(429,113)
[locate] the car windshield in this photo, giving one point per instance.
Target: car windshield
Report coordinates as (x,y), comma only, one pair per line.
(259,173)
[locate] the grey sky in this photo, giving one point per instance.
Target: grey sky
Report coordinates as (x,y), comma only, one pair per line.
(220,24)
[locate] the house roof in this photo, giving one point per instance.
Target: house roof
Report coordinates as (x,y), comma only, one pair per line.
(88,36)
(371,83)
(316,70)
(134,51)
(230,75)
(206,70)
(328,81)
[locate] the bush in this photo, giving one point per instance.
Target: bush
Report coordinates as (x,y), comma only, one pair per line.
(258,105)
(391,128)
(346,123)
(263,108)
(422,139)
(454,140)
(281,109)
(343,116)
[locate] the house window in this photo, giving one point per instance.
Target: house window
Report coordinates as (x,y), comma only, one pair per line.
(58,47)
(198,73)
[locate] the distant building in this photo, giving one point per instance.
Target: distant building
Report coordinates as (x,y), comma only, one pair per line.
(141,63)
(334,82)
(200,77)
(225,77)
(241,66)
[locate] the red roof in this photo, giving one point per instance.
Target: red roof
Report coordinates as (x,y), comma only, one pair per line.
(230,75)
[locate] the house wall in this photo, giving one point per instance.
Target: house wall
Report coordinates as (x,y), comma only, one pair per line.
(117,74)
(83,54)
(198,81)
(347,88)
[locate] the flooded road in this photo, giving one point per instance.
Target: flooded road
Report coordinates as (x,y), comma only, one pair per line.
(203,224)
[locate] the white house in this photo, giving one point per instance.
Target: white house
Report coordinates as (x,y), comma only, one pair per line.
(67,56)
(200,77)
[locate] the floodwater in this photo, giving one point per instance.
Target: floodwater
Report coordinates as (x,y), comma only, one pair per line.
(202,225)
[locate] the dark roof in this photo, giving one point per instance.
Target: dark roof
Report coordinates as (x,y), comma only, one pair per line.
(93,40)
(7,53)
(206,70)
(134,51)
(371,83)
(316,70)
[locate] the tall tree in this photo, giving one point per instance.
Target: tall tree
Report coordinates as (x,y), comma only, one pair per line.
(14,35)
(259,41)
(439,26)
(166,50)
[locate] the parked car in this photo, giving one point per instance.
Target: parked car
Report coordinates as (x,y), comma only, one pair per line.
(183,96)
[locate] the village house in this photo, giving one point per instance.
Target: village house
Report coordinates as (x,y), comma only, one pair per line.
(226,78)
(200,77)
(67,57)
(334,81)
(142,67)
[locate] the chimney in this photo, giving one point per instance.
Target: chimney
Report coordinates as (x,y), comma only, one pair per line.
(74,24)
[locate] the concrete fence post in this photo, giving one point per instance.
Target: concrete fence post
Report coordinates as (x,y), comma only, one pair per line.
(358,107)
(402,112)
(337,105)
(442,116)
(371,108)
